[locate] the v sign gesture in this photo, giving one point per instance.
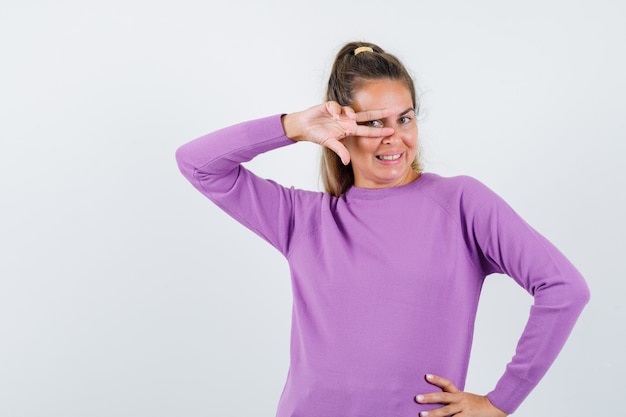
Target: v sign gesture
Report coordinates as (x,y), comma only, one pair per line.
(328,123)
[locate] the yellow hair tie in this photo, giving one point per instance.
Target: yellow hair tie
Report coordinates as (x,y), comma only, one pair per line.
(362,49)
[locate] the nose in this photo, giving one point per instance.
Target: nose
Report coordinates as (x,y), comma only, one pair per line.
(394,137)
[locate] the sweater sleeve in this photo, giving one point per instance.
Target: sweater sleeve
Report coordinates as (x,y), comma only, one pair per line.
(213,165)
(506,244)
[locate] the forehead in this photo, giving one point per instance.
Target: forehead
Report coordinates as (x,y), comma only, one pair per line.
(382,94)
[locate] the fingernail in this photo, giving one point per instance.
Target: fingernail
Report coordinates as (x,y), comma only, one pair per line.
(420,398)
(423,413)
(430,376)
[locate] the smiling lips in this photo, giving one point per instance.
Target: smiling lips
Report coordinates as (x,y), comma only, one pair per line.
(389,157)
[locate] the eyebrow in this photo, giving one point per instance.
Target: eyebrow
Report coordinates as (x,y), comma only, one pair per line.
(410,109)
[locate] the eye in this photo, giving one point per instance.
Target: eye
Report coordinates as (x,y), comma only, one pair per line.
(374,123)
(405,120)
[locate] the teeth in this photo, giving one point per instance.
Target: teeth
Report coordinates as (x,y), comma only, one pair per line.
(389,157)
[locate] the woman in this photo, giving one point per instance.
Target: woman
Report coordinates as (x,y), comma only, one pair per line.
(386,265)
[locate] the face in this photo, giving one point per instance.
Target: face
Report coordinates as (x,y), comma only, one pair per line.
(385,161)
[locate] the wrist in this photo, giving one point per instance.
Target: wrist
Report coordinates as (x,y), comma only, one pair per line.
(291,126)
(501,412)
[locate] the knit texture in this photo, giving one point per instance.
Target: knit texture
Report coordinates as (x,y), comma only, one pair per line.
(386,282)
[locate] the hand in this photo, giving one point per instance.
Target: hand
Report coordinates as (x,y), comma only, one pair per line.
(328,123)
(456,403)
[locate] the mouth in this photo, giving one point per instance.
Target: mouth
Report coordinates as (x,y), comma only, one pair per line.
(394,157)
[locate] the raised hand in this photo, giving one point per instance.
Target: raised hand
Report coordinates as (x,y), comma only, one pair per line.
(328,123)
(456,403)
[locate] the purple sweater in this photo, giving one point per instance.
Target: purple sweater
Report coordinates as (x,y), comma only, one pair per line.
(386,281)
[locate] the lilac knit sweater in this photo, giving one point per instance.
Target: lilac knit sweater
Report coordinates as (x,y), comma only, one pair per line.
(386,282)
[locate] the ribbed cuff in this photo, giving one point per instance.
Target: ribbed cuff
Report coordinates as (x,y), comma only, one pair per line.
(510,392)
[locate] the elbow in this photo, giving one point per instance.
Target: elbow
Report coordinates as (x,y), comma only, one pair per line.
(578,289)
(180,157)
(568,293)
(183,161)
(577,294)
(583,294)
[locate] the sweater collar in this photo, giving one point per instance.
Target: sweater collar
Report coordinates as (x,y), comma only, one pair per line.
(380,193)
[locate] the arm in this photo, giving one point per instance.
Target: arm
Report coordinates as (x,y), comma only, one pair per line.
(510,246)
(212,163)
(500,241)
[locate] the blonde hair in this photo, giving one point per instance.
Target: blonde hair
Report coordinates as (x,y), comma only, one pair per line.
(357,63)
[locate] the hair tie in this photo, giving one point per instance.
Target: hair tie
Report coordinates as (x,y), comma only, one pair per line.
(362,49)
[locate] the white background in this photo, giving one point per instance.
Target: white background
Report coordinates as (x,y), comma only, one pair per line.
(124,292)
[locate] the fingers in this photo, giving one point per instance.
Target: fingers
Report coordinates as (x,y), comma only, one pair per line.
(366,116)
(339,149)
(446,411)
(449,397)
(371,132)
(437,398)
(349,112)
(456,402)
(445,384)
(461,404)
(333,108)
(337,111)
(348,119)
(452,404)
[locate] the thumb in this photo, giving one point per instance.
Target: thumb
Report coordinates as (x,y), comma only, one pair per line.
(340,149)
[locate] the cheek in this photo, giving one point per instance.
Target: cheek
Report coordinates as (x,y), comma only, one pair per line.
(410,140)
